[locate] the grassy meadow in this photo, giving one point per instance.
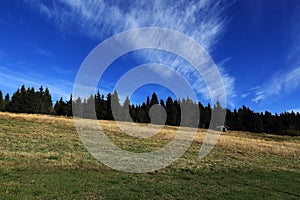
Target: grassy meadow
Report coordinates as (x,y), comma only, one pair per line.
(42,157)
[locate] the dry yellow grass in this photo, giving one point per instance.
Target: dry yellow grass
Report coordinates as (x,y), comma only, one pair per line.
(51,141)
(42,157)
(68,121)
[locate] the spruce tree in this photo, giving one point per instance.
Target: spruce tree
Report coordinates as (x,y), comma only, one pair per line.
(16,103)
(148,102)
(39,99)
(146,110)
(115,103)
(218,111)
(171,112)
(207,115)
(259,127)
(1,101)
(162,103)
(32,101)
(97,105)
(154,99)
(201,112)
(103,107)
(178,112)
(229,120)
(6,102)
(126,110)
(46,106)
(24,108)
(59,107)
(189,113)
(78,111)
(68,109)
(268,122)
(109,115)
(89,111)
(133,113)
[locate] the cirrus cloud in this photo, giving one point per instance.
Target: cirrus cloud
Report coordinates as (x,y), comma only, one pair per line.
(281,83)
(203,20)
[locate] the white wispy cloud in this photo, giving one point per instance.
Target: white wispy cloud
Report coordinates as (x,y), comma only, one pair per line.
(280,84)
(36,49)
(203,20)
(41,51)
(61,70)
(245,95)
(284,82)
(12,79)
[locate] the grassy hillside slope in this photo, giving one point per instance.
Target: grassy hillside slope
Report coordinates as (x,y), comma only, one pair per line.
(42,157)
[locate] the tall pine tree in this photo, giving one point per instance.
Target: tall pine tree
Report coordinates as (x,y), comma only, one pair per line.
(1,101)
(171,112)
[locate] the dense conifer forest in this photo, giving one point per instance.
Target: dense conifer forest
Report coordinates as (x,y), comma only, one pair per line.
(242,119)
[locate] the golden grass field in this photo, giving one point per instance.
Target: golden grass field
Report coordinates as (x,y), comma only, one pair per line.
(31,142)
(237,143)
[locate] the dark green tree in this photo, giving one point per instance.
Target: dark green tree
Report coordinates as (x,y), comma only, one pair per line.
(148,101)
(219,112)
(178,112)
(201,112)
(89,110)
(46,106)
(25,100)
(171,112)
(189,113)
(268,122)
(78,108)
(206,116)
(39,99)
(154,99)
(60,107)
(6,102)
(103,107)
(97,105)
(146,110)
(16,103)
(126,110)
(1,101)
(32,100)
(109,115)
(117,109)
(162,103)
(69,111)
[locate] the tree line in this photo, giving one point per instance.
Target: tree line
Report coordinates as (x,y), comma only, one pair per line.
(242,119)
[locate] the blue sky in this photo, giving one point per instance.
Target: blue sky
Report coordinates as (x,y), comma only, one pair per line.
(255,44)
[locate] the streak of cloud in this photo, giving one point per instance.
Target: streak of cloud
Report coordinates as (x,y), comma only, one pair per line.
(203,20)
(11,79)
(280,84)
